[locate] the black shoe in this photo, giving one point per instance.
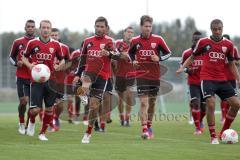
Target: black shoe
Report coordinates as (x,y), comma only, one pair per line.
(122,123)
(109,121)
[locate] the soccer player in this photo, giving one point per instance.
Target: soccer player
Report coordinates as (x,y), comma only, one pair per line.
(123,84)
(146,50)
(42,50)
(60,76)
(216,50)
(97,52)
(231,79)
(22,73)
(196,103)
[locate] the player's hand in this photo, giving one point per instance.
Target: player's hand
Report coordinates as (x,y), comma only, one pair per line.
(124,55)
(76,79)
(57,67)
(155,58)
(19,63)
(136,64)
(180,70)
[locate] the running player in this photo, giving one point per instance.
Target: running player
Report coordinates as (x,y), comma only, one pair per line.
(146,50)
(123,84)
(42,50)
(22,72)
(215,50)
(97,52)
(193,76)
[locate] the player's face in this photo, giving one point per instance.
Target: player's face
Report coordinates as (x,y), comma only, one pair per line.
(45,30)
(100,28)
(30,29)
(55,36)
(146,29)
(217,30)
(128,34)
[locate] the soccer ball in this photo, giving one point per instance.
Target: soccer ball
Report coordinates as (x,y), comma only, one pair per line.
(40,73)
(229,136)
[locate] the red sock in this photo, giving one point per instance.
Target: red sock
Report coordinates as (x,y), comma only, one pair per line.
(47,119)
(21,119)
(102,123)
(121,115)
(109,115)
(70,110)
(31,116)
(89,129)
(224,108)
(149,124)
(196,117)
(202,115)
(227,123)
(144,127)
(212,130)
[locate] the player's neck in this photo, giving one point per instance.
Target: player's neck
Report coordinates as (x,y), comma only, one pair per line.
(45,39)
(216,39)
(146,36)
(29,36)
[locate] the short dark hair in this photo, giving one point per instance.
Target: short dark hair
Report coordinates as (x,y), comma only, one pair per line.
(227,36)
(129,27)
(55,30)
(216,21)
(145,18)
(102,19)
(197,33)
(30,21)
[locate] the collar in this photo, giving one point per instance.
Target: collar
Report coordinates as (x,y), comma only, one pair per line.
(146,37)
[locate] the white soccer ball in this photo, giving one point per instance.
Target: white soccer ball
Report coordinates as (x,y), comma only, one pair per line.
(40,73)
(229,136)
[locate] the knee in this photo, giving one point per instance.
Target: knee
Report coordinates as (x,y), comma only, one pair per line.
(195,104)
(23,101)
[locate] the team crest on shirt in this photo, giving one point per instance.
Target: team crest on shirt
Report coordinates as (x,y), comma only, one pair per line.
(153,45)
(102,45)
(138,46)
(224,49)
(20,46)
(208,47)
(51,50)
(36,49)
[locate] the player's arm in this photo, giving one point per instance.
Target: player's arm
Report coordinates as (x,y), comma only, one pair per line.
(26,55)
(13,54)
(60,57)
(163,52)
(110,51)
(232,66)
(82,62)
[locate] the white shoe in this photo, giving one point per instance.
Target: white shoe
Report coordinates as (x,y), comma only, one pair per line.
(31,129)
(21,128)
(86,138)
(84,100)
(42,137)
(214,141)
(85,123)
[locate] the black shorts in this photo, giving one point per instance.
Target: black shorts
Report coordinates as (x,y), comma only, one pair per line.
(148,87)
(41,92)
(195,92)
(221,88)
(98,88)
(23,87)
(109,87)
(122,83)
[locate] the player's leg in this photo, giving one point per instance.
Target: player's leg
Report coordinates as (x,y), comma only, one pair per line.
(195,93)
(23,94)
(49,100)
(208,91)
(224,108)
(229,92)
(151,112)
(129,99)
(36,98)
(144,114)
(96,96)
(120,87)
